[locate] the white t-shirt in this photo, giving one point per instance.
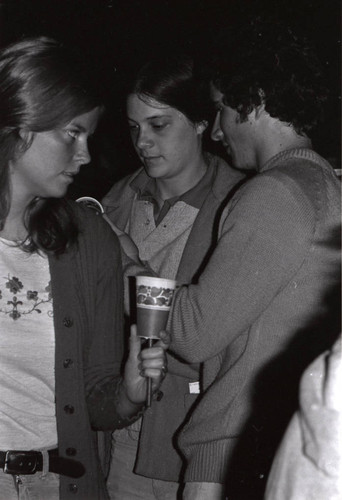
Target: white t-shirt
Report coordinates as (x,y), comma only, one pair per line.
(27,351)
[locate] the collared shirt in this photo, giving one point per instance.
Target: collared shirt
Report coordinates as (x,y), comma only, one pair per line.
(193,197)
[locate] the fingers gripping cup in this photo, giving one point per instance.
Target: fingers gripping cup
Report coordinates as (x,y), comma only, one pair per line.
(153,300)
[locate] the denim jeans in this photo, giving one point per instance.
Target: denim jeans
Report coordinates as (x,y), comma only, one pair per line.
(122,483)
(38,486)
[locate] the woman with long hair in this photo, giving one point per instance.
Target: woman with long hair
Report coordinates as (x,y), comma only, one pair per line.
(61,342)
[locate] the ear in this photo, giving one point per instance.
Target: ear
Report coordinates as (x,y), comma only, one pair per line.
(201,126)
(259,111)
(26,137)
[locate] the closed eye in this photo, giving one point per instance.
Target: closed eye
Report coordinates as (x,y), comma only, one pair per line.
(159,126)
(133,129)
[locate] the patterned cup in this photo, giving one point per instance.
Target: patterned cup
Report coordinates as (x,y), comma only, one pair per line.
(154,298)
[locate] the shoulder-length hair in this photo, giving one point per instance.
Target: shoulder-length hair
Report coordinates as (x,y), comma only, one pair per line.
(43,86)
(172,80)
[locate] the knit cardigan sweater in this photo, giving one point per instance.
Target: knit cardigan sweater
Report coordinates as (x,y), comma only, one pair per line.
(261,311)
(88,311)
(158,455)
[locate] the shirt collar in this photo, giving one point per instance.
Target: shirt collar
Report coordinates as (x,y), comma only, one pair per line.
(146,189)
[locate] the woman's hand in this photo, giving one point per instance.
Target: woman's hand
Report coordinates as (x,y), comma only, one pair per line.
(150,362)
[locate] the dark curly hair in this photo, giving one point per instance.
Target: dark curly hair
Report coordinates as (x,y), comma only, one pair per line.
(267,63)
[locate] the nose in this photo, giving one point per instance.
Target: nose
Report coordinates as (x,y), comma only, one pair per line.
(216,132)
(143,140)
(82,155)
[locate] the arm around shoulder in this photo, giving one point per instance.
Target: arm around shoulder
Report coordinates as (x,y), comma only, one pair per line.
(265,236)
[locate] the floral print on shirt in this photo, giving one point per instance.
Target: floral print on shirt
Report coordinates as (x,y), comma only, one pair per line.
(16,303)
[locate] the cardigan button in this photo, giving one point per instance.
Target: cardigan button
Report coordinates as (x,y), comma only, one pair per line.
(71,452)
(69,409)
(68,322)
(67,363)
(73,488)
(159,395)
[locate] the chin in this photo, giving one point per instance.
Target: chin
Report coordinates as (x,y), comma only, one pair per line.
(58,193)
(242,165)
(153,172)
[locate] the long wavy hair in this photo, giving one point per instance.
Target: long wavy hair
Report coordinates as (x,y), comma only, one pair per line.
(43,86)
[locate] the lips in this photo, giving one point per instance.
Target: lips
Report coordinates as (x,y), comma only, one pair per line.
(151,161)
(71,174)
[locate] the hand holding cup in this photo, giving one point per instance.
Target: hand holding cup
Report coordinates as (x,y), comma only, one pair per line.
(153,299)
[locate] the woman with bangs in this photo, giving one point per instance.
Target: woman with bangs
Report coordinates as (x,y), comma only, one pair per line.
(170,208)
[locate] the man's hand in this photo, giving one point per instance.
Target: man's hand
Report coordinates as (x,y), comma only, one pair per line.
(127,244)
(150,362)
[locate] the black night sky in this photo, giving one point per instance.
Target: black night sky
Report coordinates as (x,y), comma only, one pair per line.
(117,35)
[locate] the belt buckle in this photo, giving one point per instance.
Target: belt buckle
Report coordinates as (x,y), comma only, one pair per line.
(21,462)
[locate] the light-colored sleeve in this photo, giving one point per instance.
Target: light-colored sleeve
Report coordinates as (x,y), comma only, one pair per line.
(308,463)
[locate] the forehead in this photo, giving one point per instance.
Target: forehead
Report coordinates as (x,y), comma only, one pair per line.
(86,122)
(141,108)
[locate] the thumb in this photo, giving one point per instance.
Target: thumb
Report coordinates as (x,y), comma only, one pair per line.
(134,342)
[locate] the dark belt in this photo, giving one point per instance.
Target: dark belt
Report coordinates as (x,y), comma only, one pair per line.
(29,462)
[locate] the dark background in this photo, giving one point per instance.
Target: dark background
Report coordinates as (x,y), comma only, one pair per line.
(117,36)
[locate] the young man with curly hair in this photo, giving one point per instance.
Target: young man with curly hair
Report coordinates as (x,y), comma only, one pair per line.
(255,319)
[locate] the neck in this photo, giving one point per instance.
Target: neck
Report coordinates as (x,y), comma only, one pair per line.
(169,188)
(14,227)
(14,230)
(283,144)
(279,137)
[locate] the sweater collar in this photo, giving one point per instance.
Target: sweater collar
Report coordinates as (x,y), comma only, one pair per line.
(295,153)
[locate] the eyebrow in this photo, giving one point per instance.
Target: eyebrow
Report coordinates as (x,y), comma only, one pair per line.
(77,125)
(82,129)
(153,117)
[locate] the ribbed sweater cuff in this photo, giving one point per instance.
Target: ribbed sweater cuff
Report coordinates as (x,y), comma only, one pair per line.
(208,462)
